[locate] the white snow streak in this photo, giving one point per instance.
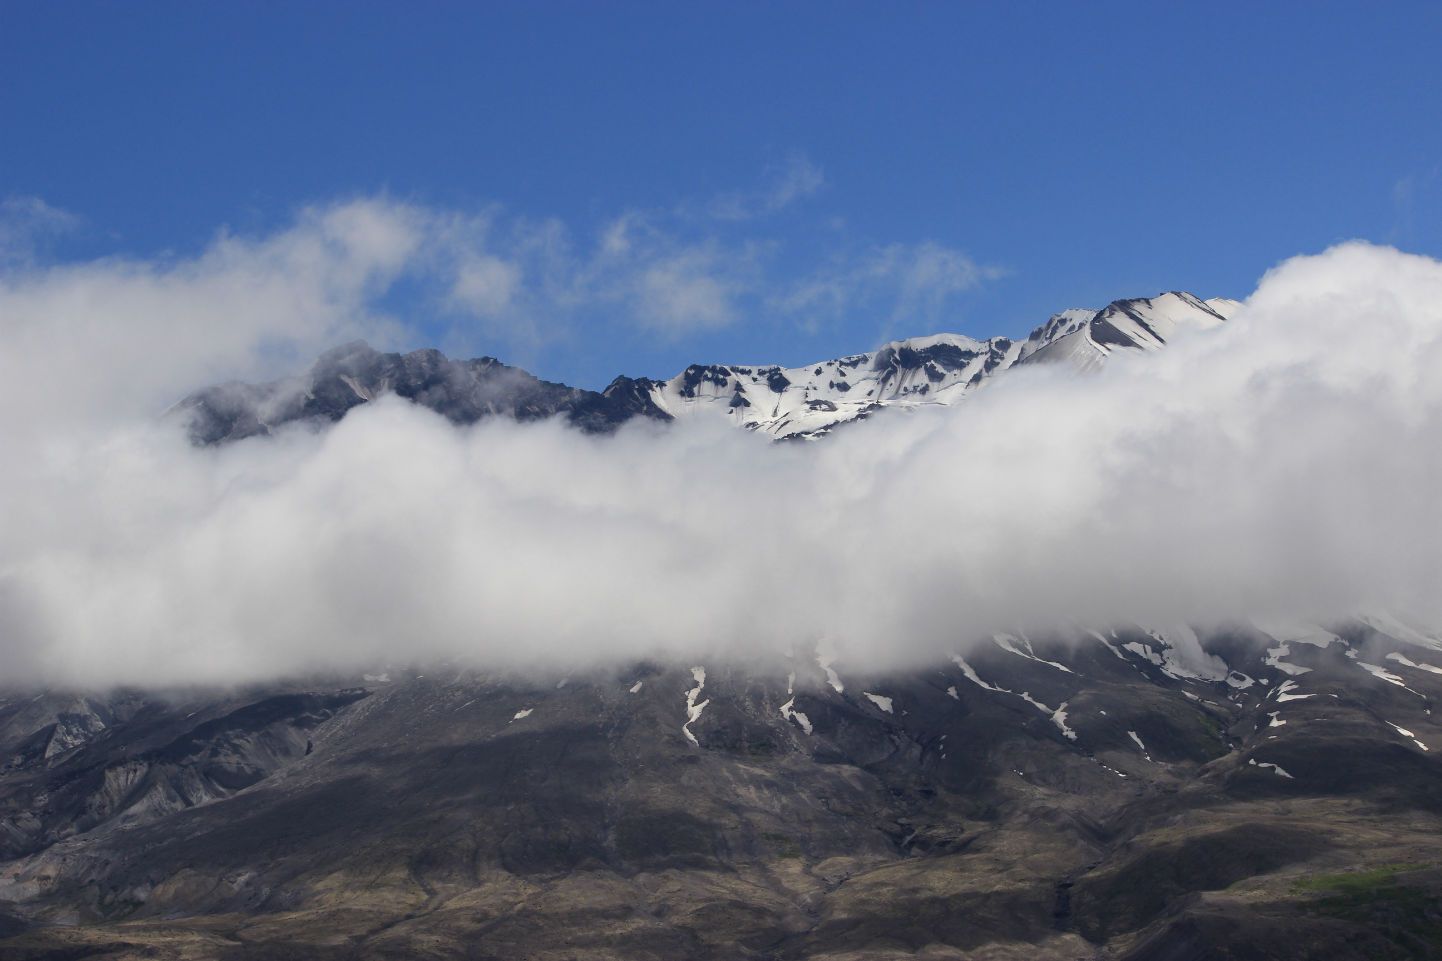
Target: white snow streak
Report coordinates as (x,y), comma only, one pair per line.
(1405,662)
(825,658)
(1378,671)
(791,714)
(693,710)
(1284,692)
(1407,734)
(1057,715)
(1009,643)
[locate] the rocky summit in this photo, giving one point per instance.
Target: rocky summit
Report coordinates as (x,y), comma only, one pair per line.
(784,403)
(1251,790)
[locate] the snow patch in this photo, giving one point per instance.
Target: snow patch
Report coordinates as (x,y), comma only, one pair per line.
(882,702)
(1274,659)
(637,686)
(1183,657)
(1284,692)
(1275,767)
(970,674)
(1058,716)
(791,714)
(1382,673)
(1108,645)
(1140,746)
(1014,645)
(1405,662)
(693,710)
(1407,734)
(1144,652)
(522,713)
(825,657)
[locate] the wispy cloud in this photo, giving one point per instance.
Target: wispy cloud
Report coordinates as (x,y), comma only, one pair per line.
(784,184)
(684,291)
(667,282)
(513,284)
(28,225)
(905,286)
(1412,194)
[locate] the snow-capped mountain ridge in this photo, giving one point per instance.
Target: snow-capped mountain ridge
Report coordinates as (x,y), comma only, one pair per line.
(937,369)
(785,403)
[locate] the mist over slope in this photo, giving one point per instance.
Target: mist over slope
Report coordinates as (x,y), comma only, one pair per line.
(1284,464)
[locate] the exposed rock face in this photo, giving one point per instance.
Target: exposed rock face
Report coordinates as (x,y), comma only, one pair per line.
(461,391)
(943,369)
(1131,794)
(785,403)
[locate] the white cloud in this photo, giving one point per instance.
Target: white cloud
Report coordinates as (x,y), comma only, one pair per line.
(1286,463)
(1413,199)
(684,292)
(113,339)
(663,281)
(907,286)
(797,178)
(486,285)
(28,224)
(783,185)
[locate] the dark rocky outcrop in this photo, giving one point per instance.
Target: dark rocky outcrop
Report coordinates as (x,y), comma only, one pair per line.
(462,391)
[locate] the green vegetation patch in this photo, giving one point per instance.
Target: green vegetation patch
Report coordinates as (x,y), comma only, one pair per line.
(1407,915)
(1355,882)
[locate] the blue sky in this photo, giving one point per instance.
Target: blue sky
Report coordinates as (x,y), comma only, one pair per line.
(652,184)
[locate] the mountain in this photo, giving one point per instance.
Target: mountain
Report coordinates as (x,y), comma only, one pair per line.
(1255,792)
(786,403)
(1135,792)
(352,374)
(943,369)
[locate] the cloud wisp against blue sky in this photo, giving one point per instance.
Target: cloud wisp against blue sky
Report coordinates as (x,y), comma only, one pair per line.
(491,282)
(1012,159)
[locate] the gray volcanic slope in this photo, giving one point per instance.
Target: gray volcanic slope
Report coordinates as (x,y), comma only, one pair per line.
(1087,797)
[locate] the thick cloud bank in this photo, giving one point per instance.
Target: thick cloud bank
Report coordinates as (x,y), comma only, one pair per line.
(1286,464)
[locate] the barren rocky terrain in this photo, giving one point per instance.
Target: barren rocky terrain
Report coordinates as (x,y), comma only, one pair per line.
(1081,797)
